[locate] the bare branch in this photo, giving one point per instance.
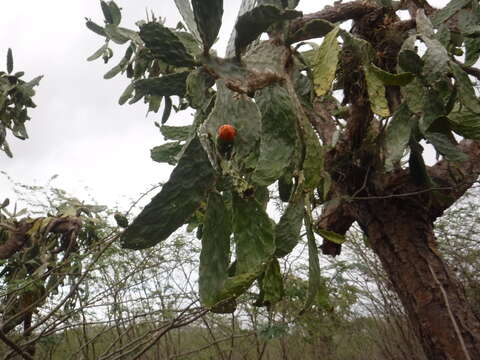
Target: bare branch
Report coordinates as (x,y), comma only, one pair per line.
(14,346)
(176,356)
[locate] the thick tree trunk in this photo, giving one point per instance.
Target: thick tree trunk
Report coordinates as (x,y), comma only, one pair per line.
(401,234)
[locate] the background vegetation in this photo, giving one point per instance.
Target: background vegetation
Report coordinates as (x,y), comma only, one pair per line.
(145,304)
(235,272)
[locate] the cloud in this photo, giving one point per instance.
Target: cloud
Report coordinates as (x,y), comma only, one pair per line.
(78,129)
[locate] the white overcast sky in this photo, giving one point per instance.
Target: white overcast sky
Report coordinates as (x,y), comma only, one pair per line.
(78,130)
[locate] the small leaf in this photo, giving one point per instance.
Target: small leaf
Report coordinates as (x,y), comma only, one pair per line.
(414,94)
(3,134)
(127,93)
(6,149)
(253,23)
(9,61)
(253,234)
(361,48)
(167,109)
(106,12)
(167,85)
(237,285)
(444,144)
(97,29)
(397,136)
(215,253)
(287,231)
(5,203)
(113,72)
(165,45)
(166,153)
(326,186)
(208,16)
(314,157)
(376,93)
(19,130)
(183,193)
(27,88)
(107,55)
(387,78)
(312,29)
(436,60)
(278,136)
(465,88)
(271,285)
(432,110)
(316,287)
(176,132)
(410,61)
(325,63)
(466,124)
(448,11)
(472,46)
(115,12)
(98,53)
(185,10)
(444,35)
(154,102)
(468,22)
(331,236)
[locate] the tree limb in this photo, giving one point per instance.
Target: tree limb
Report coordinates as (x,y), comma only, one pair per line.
(460,176)
(17,238)
(336,217)
(339,12)
(14,346)
(405,25)
(322,121)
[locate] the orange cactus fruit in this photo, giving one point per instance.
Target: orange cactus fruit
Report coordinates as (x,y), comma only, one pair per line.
(227,133)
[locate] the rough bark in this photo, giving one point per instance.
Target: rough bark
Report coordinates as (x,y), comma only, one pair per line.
(457,178)
(401,234)
(337,218)
(339,12)
(16,240)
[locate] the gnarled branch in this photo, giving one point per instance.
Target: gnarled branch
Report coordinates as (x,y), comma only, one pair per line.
(459,176)
(16,240)
(339,12)
(336,217)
